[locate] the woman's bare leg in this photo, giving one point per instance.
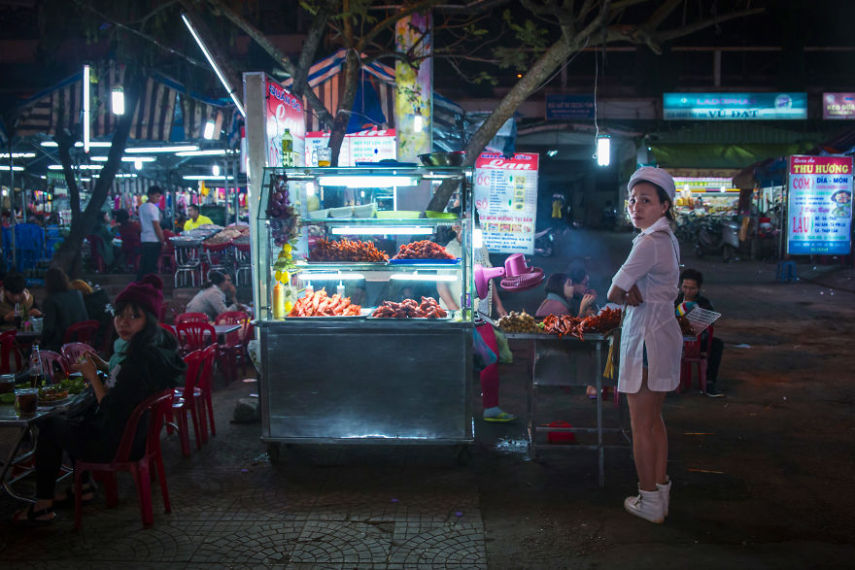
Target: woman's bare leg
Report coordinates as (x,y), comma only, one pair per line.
(649,437)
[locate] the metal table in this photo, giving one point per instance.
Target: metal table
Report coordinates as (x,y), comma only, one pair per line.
(10,420)
(557,368)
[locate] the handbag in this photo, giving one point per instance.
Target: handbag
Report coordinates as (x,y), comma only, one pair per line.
(84,407)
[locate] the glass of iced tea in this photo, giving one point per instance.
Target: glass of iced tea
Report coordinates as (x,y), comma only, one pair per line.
(26,400)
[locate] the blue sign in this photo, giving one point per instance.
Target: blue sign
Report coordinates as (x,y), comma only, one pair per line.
(734,106)
(569,107)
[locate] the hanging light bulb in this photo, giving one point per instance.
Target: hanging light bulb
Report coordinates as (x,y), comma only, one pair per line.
(117,101)
(138,164)
(604,150)
(208,134)
(215,170)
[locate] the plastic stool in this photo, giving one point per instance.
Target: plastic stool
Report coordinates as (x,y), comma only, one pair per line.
(786,271)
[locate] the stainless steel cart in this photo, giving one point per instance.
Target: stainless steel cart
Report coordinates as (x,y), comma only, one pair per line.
(558,362)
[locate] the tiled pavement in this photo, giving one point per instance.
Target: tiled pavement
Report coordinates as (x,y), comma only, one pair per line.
(232,508)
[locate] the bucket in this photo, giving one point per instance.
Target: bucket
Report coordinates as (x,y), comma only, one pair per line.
(560,437)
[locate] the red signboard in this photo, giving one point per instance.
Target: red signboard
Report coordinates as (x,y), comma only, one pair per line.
(283,111)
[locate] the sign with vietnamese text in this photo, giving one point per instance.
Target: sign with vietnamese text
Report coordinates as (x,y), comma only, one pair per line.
(372,145)
(838,105)
(734,106)
(505,193)
(283,111)
(561,107)
(819,205)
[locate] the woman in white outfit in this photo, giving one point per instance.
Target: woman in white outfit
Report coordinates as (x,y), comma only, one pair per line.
(651,342)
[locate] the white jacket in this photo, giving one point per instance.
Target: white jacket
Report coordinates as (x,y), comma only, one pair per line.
(653,265)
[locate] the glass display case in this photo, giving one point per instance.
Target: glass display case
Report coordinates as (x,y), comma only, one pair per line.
(364,305)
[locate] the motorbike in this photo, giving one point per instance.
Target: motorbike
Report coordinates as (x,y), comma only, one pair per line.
(544,242)
(717,236)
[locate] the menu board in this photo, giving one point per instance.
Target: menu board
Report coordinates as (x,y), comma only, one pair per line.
(372,145)
(819,205)
(505,192)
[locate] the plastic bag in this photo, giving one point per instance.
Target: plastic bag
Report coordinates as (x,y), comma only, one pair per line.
(505,354)
(482,355)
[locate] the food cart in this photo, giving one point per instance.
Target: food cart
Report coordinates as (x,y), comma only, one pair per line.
(353,376)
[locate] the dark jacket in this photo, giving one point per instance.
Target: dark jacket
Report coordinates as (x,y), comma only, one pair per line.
(96,308)
(702,302)
(61,310)
(156,368)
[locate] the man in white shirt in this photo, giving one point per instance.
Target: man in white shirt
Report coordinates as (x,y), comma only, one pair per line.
(151,234)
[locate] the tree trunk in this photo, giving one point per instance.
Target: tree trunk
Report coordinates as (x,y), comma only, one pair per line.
(539,72)
(342,118)
(68,257)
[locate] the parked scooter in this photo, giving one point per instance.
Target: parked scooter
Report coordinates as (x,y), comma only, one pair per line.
(544,242)
(718,236)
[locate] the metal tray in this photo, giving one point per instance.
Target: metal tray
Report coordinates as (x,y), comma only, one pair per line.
(454,261)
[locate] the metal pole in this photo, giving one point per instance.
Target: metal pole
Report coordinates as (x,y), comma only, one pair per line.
(12,204)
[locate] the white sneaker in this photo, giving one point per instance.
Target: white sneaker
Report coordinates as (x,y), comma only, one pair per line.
(647,505)
(665,493)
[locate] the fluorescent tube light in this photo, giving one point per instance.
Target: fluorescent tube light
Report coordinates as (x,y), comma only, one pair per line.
(203,177)
(86,108)
(334,276)
(422,277)
(211,152)
(214,65)
(5,168)
(382,230)
(117,101)
(156,149)
(125,158)
(418,124)
(604,150)
(18,155)
(367,181)
(78,144)
(78,167)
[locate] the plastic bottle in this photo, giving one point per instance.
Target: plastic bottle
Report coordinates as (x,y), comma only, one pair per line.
(19,315)
(278,301)
(287,148)
(37,372)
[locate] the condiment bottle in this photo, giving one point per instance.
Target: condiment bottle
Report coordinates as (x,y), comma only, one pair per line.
(287,148)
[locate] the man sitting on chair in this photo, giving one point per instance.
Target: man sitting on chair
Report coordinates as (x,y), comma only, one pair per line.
(691,281)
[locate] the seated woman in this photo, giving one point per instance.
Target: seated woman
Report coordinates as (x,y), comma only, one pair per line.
(212,300)
(558,287)
(62,308)
(147,363)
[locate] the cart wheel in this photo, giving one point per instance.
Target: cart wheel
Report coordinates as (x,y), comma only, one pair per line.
(464,455)
(273,452)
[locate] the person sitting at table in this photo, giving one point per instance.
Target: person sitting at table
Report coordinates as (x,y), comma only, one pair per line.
(14,293)
(129,231)
(105,249)
(97,307)
(63,307)
(691,281)
(213,299)
(147,363)
(196,219)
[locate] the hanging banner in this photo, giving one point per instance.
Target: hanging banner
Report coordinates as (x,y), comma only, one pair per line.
(819,205)
(414,86)
(505,192)
(372,145)
(283,111)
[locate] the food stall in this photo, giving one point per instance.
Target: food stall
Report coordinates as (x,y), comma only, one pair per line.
(353,345)
(706,196)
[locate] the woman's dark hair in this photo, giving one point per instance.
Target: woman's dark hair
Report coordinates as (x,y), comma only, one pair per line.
(121,216)
(151,334)
(215,278)
(14,282)
(577,275)
(56,281)
(694,275)
(555,284)
(663,197)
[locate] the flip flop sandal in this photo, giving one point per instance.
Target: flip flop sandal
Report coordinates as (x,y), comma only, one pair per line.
(68,501)
(31,517)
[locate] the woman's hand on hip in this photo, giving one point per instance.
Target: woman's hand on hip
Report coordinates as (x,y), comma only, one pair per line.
(633,296)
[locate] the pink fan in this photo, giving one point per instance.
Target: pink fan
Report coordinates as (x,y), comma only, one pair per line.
(517,276)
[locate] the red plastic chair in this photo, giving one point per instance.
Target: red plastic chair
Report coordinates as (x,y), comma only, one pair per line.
(155,407)
(232,350)
(206,385)
(51,361)
(695,352)
(187,399)
(195,336)
(72,351)
(84,331)
(191,318)
(168,328)
(95,246)
(9,350)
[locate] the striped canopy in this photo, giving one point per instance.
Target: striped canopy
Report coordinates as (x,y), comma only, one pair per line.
(61,107)
(377,108)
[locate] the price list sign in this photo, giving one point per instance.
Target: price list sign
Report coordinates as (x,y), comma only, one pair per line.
(372,145)
(506,197)
(819,205)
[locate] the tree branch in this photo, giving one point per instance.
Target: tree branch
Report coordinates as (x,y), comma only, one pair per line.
(700,25)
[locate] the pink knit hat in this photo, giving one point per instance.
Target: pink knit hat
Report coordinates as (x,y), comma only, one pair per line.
(147,293)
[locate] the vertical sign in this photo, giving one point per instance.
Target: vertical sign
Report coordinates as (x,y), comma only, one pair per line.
(413,96)
(506,197)
(819,205)
(283,111)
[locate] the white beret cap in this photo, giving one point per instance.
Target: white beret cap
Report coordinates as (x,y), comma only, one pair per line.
(658,176)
